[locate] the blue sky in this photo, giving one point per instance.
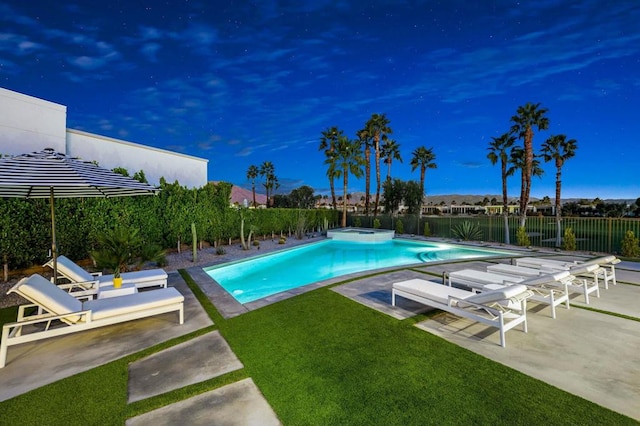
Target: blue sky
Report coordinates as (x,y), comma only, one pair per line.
(240,83)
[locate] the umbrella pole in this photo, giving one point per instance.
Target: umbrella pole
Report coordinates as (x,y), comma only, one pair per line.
(54,246)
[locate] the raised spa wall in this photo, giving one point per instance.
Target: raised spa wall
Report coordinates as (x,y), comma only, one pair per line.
(361,234)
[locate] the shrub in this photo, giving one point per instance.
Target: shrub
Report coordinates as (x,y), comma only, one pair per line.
(523,237)
(282,240)
(376,223)
(399,227)
(630,246)
(357,222)
(220,251)
(427,230)
(569,240)
(256,243)
(467,231)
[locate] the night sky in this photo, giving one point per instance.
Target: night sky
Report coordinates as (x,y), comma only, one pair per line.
(240,83)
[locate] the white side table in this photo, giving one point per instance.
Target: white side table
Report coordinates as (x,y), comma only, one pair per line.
(110,291)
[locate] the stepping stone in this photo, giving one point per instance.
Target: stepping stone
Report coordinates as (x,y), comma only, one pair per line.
(239,403)
(190,362)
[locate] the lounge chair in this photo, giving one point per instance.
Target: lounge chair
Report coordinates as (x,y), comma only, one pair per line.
(504,308)
(549,289)
(89,283)
(606,267)
(60,313)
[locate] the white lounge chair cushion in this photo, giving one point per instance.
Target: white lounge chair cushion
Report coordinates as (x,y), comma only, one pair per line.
(49,296)
(584,268)
(482,277)
(135,277)
(430,290)
(546,278)
(121,305)
(502,296)
(71,270)
(602,260)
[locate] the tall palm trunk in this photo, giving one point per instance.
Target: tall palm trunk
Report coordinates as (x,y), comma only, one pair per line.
(367,184)
(558,209)
(389,169)
(505,203)
(344,197)
(526,175)
(333,194)
(377,148)
(253,189)
(423,169)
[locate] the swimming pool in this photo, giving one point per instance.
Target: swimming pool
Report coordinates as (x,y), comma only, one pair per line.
(261,276)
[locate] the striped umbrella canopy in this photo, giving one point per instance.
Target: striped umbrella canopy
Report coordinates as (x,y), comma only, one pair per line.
(50,174)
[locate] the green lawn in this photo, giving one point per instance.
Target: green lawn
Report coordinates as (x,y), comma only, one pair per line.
(320,358)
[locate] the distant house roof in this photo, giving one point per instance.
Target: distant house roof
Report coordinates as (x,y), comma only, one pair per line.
(238,195)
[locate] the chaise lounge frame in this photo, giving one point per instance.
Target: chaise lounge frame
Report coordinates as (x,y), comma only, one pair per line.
(503,309)
(54,318)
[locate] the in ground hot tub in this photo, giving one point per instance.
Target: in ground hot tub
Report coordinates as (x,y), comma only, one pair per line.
(361,234)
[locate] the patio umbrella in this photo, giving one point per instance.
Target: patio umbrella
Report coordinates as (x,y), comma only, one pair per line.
(49,174)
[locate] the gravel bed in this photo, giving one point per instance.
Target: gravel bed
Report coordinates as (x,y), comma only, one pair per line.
(206,257)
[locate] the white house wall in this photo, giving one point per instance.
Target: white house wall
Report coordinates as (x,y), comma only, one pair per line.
(30,124)
(156,163)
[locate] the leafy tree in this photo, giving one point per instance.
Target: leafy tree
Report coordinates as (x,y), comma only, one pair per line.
(349,160)
(252,175)
(378,128)
(424,159)
(302,197)
(559,149)
(390,152)
(140,176)
(413,196)
(328,143)
(527,117)
(393,194)
(499,150)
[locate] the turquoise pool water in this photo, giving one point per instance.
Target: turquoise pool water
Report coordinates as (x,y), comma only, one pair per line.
(262,276)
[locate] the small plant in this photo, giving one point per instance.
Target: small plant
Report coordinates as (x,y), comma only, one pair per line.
(569,240)
(376,223)
(282,240)
(399,227)
(357,222)
(630,246)
(427,230)
(255,243)
(467,231)
(522,237)
(220,251)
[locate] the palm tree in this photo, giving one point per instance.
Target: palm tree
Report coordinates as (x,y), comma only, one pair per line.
(499,150)
(378,128)
(559,149)
(252,174)
(423,158)
(518,161)
(528,117)
(327,144)
(349,160)
(366,142)
(390,152)
(267,170)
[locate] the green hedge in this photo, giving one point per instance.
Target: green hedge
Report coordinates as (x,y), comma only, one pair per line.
(165,219)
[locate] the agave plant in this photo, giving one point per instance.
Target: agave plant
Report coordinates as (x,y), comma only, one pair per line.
(467,231)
